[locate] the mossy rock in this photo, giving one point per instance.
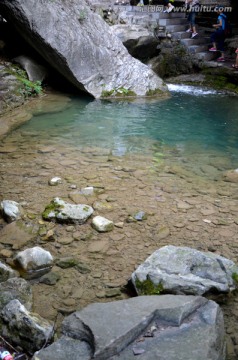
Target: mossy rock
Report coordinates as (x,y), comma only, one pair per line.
(147,287)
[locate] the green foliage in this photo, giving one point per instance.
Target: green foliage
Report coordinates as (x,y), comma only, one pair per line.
(120,92)
(235,278)
(147,287)
(28,87)
(154,92)
(220,79)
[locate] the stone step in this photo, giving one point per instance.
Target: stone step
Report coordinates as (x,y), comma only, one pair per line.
(207,56)
(174,21)
(196,41)
(176,28)
(161,15)
(181,35)
(194,49)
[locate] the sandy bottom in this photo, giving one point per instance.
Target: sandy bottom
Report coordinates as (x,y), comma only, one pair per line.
(186,204)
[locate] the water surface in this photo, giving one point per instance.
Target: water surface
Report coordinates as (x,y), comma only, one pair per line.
(195,125)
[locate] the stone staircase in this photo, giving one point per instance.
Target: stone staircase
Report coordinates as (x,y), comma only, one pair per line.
(173,23)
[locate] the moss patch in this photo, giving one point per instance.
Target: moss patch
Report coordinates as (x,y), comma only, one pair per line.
(235,278)
(120,92)
(221,80)
(147,287)
(53,207)
(27,88)
(154,92)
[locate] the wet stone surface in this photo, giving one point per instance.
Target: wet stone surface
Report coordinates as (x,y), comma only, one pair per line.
(182,207)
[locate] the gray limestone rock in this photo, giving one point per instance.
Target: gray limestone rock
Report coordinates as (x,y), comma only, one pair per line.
(34,262)
(102,224)
(16,288)
(65,348)
(81,46)
(28,330)
(11,210)
(6,272)
(153,327)
(64,212)
(182,270)
(35,71)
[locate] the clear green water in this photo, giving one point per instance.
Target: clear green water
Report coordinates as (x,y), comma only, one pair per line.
(192,122)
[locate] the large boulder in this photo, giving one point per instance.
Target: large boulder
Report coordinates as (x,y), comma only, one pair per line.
(139,41)
(182,270)
(166,327)
(81,46)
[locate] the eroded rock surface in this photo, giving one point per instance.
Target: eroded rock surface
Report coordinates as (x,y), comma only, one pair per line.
(81,46)
(152,326)
(182,270)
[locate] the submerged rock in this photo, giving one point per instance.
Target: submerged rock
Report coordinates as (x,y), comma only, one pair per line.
(34,262)
(102,224)
(11,210)
(62,212)
(182,270)
(82,47)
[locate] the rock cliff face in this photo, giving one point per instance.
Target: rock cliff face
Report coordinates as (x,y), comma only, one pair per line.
(81,46)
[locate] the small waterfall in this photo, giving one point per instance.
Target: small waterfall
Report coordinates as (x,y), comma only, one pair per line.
(192,90)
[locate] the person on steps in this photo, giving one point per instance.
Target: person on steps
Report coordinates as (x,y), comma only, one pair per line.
(168,6)
(218,37)
(190,4)
(235,66)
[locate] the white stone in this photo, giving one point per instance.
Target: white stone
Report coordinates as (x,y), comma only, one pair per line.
(11,210)
(87,190)
(55,181)
(34,258)
(102,224)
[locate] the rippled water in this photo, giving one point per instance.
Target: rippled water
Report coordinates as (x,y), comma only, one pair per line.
(194,123)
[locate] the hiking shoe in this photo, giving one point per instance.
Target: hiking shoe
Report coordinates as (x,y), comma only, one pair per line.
(194,35)
(170,8)
(212,49)
(189,30)
(221,59)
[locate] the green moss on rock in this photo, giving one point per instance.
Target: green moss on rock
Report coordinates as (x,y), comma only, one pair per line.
(53,207)
(235,278)
(147,287)
(154,92)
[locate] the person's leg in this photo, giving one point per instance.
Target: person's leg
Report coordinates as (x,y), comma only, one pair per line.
(236,63)
(193,26)
(213,41)
(220,43)
(190,29)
